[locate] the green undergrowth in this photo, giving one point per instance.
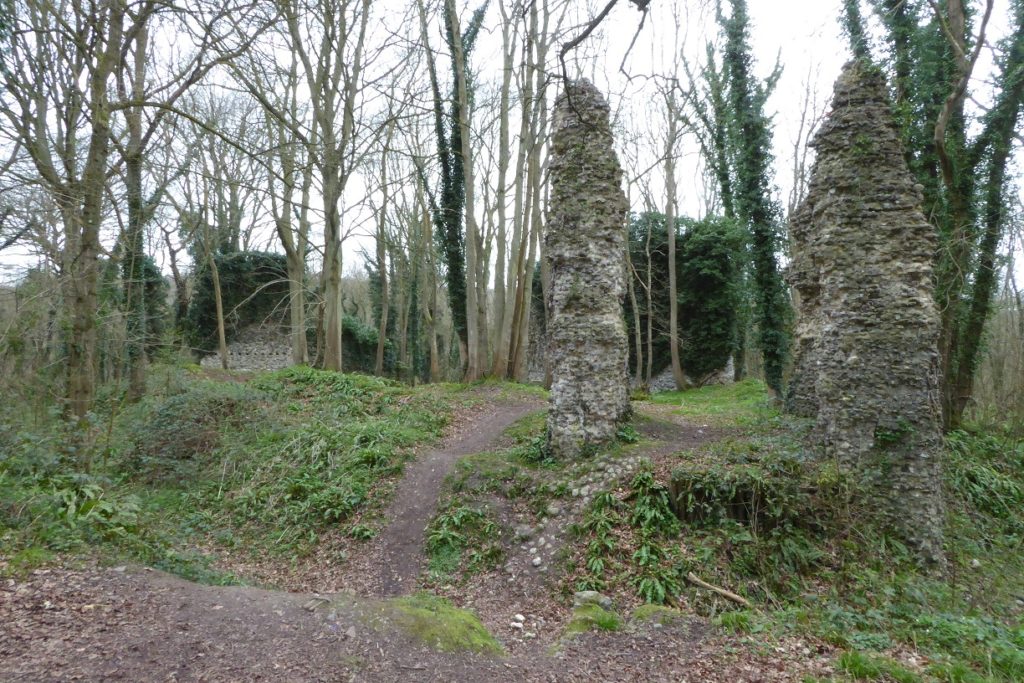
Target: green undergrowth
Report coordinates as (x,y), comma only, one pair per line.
(865,667)
(631,538)
(436,623)
(471,529)
(271,462)
(802,541)
(466,534)
(319,459)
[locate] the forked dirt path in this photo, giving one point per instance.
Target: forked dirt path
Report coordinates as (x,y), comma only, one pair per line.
(89,623)
(398,550)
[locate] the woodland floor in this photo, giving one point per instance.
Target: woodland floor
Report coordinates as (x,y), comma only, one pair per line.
(82,621)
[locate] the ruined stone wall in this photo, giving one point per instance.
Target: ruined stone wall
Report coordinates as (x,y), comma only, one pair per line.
(867,332)
(256,348)
(584,243)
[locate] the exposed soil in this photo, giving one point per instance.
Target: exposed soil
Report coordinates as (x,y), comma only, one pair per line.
(395,557)
(133,624)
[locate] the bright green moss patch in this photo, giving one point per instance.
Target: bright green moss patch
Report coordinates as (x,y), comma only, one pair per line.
(592,618)
(437,624)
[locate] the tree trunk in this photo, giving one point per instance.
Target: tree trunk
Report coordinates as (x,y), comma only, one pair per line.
(332,275)
(133,255)
(83,239)
(382,269)
(670,232)
(638,343)
(297,307)
(222,343)
(502,318)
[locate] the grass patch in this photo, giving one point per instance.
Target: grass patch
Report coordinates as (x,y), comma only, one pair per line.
(25,560)
(864,667)
(527,428)
(740,621)
(739,404)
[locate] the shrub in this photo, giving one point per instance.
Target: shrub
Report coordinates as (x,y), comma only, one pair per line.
(169,436)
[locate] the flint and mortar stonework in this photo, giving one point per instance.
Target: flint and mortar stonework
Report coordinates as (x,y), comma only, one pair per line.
(584,243)
(868,328)
(256,349)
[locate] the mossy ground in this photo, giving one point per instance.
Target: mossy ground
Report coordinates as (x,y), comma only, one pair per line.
(592,618)
(436,623)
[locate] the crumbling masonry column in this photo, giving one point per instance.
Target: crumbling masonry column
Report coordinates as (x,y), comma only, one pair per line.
(584,245)
(868,327)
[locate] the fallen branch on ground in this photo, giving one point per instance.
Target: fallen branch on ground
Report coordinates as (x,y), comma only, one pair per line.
(728,595)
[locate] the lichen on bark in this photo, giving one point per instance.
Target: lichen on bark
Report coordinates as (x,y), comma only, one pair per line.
(584,244)
(867,331)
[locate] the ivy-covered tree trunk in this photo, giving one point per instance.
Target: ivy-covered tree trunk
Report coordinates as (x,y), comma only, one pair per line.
(930,58)
(750,137)
(461,151)
(448,208)
(133,256)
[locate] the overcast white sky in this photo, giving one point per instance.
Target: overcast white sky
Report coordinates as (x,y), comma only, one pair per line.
(802,34)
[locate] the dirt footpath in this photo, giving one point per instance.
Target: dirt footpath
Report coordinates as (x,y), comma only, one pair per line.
(135,624)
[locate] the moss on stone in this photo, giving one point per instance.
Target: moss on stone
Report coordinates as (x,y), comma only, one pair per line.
(592,618)
(438,624)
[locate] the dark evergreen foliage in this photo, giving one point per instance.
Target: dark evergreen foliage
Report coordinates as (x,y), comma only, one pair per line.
(360,341)
(709,261)
(750,138)
(155,297)
(254,288)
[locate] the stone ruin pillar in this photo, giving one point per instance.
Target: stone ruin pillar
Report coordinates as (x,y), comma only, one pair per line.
(584,244)
(868,326)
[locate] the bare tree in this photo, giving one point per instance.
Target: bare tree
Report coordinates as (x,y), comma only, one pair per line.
(329,40)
